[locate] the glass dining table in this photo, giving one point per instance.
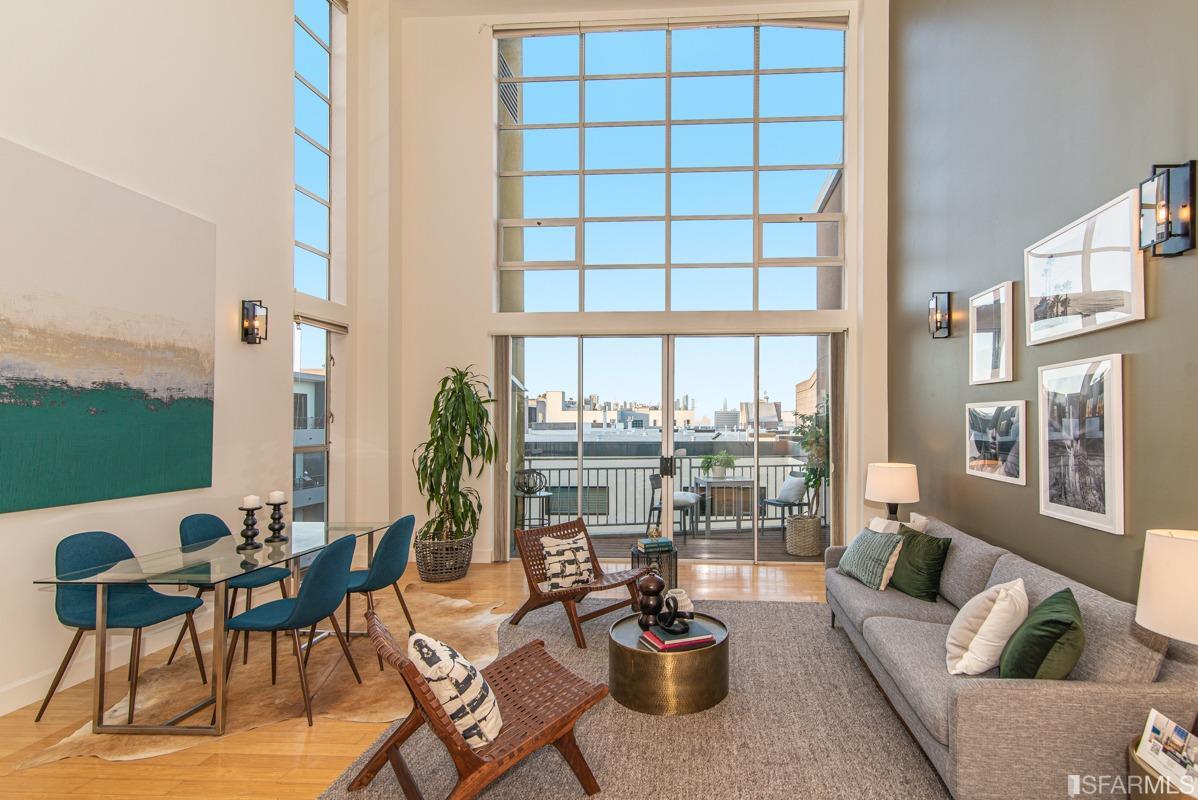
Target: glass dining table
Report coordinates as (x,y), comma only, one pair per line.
(214,562)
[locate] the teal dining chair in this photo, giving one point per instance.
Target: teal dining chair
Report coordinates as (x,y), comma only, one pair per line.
(318,598)
(195,529)
(388,565)
(135,606)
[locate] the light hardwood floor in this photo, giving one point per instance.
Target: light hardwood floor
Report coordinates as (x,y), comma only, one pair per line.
(289,759)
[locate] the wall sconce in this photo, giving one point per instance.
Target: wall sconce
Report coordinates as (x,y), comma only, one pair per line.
(939,318)
(253,321)
(1167,208)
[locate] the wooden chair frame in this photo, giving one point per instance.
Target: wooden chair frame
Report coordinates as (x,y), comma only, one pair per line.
(540,701)
(532,557)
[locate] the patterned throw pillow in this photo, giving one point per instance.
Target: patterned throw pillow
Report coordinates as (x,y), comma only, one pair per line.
(870,558)
(567,563)
(460,689)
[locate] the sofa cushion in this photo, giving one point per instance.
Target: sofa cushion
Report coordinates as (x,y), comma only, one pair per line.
(859,603)
(1117,650)
(967,566)
(913,654)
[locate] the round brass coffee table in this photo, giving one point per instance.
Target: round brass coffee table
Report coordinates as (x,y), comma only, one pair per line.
(668,684)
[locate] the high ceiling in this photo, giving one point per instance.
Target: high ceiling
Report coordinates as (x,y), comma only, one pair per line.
(458,8)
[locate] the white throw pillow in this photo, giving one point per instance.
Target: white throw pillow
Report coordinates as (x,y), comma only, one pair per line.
(792,490)
(982,627)
(460,689)
(917,522)
(567,563)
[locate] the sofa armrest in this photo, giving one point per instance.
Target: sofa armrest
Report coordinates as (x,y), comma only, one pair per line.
(832,556)
(1024,738)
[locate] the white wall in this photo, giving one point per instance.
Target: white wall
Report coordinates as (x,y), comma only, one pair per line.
(442,302)
(189,103)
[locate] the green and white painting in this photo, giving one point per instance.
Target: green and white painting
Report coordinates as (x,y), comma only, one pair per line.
(106,339)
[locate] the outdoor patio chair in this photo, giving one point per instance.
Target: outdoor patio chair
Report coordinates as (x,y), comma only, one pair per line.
(687,503)
(785,506)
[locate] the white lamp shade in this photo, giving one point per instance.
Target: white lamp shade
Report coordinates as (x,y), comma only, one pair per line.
(1166,579)
(892,483)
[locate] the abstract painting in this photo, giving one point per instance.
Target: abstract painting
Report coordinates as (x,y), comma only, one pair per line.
(1088,275)
(990,335)
(1081,442)
(106,339)
(994,441)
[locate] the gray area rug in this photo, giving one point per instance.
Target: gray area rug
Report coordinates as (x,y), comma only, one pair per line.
(803,719)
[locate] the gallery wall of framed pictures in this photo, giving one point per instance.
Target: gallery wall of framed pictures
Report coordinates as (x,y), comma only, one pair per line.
(1084,277)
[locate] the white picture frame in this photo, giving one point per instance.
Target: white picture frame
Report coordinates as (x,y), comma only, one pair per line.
(996,441)
(1087,276)
(990,342)
(1081,442)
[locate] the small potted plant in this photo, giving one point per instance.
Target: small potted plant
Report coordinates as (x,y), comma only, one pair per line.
(717,464)
(804,532)
(461,442)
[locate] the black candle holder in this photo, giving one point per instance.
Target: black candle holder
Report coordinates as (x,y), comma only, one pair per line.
(250,531)
(276,526)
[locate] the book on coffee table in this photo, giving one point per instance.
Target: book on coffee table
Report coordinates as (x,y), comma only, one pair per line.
(662,639)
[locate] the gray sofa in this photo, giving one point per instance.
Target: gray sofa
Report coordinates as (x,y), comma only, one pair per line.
(993,739)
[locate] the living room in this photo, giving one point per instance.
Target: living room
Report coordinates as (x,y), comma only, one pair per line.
(798,373)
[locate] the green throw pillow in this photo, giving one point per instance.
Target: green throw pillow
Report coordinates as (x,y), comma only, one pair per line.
(1049,642)
(870,558)
(920,561)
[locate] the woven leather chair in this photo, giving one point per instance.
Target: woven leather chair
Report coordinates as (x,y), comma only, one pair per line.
(539,699)
(532,556)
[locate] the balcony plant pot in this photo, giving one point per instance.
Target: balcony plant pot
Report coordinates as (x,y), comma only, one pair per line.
(719,472)
(438,561)
(804,536)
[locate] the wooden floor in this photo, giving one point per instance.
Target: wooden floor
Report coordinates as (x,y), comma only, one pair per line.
(289,759)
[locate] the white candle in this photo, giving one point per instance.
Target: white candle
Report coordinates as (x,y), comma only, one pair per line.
(275,497)
(251,501)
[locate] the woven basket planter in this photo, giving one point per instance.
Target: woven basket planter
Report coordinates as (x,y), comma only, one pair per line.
(804,536)
(439,561)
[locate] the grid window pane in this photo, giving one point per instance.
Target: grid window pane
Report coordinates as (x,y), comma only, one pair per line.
(800,240)
(311,167)
(625,290)
(538,290)
(711,193)
(311,112)
(637,147)
(799,143)
(540,197)
(793,191)
(538,150)
(711,49)
(625,243)
(544,102)
(311,273)
(711,289)
(634,195)
(625,52)
(799,288)
(538,243)
(538,56)
(720,97)
(311,60)
(315,14)
(801,48)
(712,241)
(311,222)
(626,100)
(805,94)
(722,145)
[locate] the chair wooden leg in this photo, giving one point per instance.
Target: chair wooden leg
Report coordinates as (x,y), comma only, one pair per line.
(348,598)
(283,589)
(636,595)
(370,608)
(311,641)
(232,604)
(380,757)
(190,624)
(303,676)
(575,625)
(274,656)
(403,604)
(62,668)
(245,654)
(344,646)
(134,659)
(529,605)
(568,747)
(179,639)
(232,654)
(406,782)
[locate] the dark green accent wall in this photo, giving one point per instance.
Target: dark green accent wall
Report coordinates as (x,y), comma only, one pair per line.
(1008,120)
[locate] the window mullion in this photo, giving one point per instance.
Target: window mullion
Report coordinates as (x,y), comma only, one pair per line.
(580,233)
(756,179)
(669,200)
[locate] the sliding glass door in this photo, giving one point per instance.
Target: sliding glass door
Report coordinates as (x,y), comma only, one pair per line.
(746,419)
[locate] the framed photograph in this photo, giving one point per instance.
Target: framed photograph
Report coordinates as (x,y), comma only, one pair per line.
(990,335)
(1081,442)
(1088,275)
(994,441)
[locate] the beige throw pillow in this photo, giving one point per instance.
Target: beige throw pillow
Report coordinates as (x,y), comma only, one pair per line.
(982,627)
(879,525)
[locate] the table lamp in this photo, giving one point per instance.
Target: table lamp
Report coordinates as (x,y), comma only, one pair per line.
(1166,575)
(892,484)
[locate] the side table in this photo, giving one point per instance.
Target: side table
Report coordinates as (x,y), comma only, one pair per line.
(665,563)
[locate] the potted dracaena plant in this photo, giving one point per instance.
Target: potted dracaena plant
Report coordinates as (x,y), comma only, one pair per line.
(461,443)
(804,531)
